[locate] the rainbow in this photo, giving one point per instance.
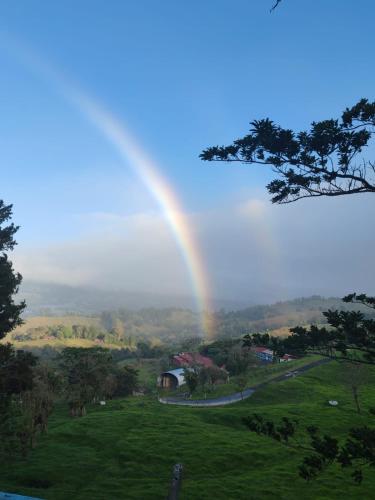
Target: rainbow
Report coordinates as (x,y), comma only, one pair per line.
(161,190)
(134,156)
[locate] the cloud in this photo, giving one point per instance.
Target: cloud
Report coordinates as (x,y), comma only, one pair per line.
(135,253)
(254,251)
(253,208)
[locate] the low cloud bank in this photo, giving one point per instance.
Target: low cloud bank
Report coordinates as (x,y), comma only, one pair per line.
(253,251)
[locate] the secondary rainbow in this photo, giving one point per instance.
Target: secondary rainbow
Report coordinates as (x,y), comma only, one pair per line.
(134,156)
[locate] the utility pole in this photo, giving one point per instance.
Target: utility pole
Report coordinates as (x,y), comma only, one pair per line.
(174,491)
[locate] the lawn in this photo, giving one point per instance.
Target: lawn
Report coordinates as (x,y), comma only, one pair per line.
(126,449)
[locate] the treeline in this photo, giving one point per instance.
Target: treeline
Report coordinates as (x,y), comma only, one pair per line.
(62,332)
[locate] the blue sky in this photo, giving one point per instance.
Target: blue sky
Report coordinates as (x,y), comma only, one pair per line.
(182,76)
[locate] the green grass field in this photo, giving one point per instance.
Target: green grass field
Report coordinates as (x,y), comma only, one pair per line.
(126,449)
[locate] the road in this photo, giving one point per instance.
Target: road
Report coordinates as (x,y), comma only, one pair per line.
(238,396)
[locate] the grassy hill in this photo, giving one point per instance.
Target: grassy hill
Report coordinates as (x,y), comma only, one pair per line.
(68,320)
(126,449)
(32,324)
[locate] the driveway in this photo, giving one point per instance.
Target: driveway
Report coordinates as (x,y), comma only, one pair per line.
(238,396)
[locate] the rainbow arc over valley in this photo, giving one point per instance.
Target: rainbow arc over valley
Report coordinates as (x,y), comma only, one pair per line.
(145,168)
(134,156)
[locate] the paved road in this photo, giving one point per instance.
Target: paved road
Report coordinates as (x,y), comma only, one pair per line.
(238,396)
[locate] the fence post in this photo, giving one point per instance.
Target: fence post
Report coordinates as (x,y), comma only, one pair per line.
(176,482)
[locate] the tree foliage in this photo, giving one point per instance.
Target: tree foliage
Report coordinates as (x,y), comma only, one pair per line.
(275,5)
(126,381)
(90,374)
(24,395)
(357,452)
(27,392)
(210,375)
(324,161)
(9,279)
(191,377)
(350,335)
(354,377)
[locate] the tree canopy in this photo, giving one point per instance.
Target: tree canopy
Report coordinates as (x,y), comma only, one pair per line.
(356,453)
(324,161)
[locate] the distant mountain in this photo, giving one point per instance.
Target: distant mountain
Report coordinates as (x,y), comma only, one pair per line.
(281,315)
(54,299)
(232,318)
(62,315)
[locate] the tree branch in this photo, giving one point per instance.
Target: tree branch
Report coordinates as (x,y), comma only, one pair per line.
(275,5)
(320,161)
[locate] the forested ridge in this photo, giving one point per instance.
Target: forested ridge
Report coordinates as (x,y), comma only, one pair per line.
(126,328)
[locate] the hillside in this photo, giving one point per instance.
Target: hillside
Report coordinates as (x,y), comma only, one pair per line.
(126,328)
(127,448)
(122,328)
(281,315)
(46,321)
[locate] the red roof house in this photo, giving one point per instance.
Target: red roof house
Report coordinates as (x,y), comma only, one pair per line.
(190,359)
(287,357)
(265,354)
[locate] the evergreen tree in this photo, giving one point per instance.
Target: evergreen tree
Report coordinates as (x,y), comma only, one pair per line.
(9,280)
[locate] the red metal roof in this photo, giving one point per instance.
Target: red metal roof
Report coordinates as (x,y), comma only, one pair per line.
(192,358)
(288,356)
(262,349)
